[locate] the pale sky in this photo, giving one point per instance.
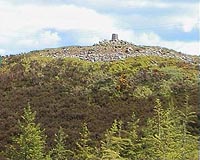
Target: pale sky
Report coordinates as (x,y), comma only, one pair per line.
(37,24)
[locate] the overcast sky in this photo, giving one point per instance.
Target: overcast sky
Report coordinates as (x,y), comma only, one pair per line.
(37,24)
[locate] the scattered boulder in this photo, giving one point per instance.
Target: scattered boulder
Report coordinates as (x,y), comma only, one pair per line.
(113,50)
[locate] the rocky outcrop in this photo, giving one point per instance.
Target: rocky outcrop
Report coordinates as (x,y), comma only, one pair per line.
(113,50)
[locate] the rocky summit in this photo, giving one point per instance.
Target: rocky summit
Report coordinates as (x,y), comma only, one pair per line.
(112,50)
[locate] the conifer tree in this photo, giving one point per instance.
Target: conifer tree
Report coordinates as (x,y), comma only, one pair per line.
(111,146)
(166,135)
(188,143)
(60,152)
(161,134)
(30,143)
(85,151)
(153,130)
(130,142)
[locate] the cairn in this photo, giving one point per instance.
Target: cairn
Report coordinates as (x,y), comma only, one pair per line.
(115,37)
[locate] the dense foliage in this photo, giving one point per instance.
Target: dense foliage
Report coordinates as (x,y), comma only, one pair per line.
(68,92)
(165,137)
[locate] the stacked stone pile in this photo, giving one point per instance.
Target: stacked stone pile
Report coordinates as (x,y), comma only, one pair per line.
(112,51)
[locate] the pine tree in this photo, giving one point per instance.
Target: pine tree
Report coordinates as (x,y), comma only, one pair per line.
(30,143)
(130,142)
(161,134)
(111,146)
(60,152)
(85,151)
(188,143)
(166,135)
(152,133)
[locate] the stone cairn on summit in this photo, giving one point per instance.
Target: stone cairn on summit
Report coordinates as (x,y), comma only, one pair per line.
(115,37)
(112,50)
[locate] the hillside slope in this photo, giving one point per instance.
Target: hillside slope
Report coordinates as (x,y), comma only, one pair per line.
(67,91)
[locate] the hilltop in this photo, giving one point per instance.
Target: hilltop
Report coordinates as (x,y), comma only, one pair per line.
(112,50)
(95,84)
